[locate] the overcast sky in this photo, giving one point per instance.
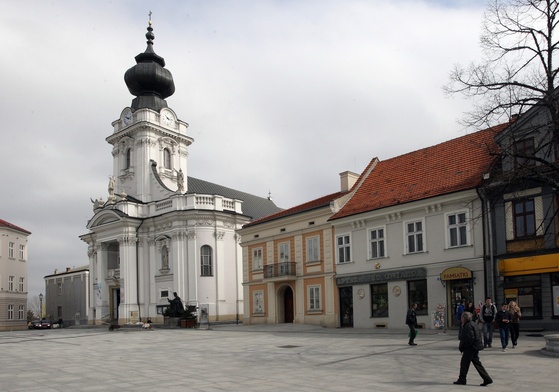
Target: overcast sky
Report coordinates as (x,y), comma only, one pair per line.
(281,96)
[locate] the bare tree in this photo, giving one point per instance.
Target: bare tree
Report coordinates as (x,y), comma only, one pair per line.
(518,70)
(33,305)
(516,78)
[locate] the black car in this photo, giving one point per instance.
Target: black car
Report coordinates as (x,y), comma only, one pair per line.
(40,324)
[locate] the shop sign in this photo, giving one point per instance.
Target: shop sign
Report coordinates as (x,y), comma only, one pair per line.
(384,276)
(455,273)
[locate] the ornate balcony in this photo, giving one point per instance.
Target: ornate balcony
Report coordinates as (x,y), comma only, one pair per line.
(285,270)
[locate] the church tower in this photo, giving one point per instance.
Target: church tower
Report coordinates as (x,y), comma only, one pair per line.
(161,231)
(148,135)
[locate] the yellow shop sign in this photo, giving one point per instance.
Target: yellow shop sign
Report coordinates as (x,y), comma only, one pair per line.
(454,273)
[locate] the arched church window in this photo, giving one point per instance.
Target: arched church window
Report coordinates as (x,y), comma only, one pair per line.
(206,260)
(127,163)
(167,158)
(164,258)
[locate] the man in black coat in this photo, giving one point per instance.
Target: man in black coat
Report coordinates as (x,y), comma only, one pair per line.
(470,344)
(411,321)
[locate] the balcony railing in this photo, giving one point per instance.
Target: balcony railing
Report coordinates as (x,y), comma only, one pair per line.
(280,270)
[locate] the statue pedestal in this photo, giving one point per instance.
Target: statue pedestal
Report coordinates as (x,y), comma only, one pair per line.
(172,322)
(551,346)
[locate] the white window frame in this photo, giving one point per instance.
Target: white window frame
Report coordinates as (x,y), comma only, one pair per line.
(21,312)
(10,312)
(22,252)
(415,234)
(374,244)
(313,249)
(314,298)
(21,281)
(284,252)
(59,288)
(10,283)
(258,302)
(346,246)
(11,250)
(457,227)
(257,258)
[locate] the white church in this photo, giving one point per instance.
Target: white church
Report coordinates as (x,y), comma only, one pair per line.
(161,231)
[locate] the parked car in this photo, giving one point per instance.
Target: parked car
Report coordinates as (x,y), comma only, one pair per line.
(40,324)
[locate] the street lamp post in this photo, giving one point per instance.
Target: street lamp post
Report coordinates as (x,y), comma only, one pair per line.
(41,306)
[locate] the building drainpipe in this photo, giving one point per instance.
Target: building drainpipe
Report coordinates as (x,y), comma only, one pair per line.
(488,243)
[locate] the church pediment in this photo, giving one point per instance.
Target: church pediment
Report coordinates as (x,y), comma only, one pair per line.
(104,217)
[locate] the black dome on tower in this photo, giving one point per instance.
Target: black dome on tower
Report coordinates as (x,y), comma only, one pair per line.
(148,80)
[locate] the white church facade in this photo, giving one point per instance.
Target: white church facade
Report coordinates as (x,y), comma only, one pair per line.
(161,231)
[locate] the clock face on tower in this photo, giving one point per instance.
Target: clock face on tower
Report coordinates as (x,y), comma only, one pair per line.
(127,117)
(167,118)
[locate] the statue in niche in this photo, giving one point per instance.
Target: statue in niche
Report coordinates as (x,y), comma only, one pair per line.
(165,258)
(177,308)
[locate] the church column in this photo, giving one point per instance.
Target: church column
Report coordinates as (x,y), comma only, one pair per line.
(154,266)
(128,309)
(220,271)
(143,277)
(179,252)
(102,294)
(239,278)
(192,267)
(92,255)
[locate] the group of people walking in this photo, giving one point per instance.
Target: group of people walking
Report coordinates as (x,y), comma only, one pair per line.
(472,338)
(507,321)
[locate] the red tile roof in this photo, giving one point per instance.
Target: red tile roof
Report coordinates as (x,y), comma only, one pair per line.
(452,166)
(3,223)
(310,205)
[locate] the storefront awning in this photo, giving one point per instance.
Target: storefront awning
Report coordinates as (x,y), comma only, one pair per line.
(529,265)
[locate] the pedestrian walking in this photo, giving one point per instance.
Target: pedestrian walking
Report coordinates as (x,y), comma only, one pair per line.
(472,309)
(459,311)
(470,346)
(411,321)
(515,315)
(487,317)
(503,320)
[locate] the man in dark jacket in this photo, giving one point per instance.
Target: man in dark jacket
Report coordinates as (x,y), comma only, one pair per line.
(470,344)
(411,321)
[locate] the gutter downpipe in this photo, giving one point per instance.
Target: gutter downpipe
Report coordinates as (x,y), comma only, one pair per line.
(488,243)
(491,259)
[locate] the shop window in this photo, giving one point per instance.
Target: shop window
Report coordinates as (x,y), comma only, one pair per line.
(417,294)
(526,291)
(555,293)
(379,300)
